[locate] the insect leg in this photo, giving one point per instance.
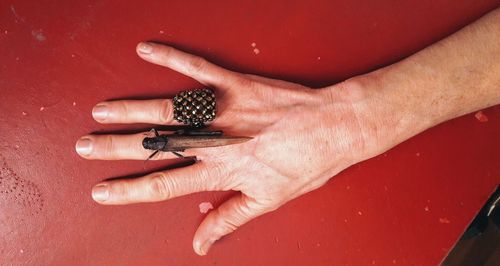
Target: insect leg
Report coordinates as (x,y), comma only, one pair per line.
(178,154)
(152,155)
(155,131)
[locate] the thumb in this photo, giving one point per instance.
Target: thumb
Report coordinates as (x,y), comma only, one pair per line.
(228,217)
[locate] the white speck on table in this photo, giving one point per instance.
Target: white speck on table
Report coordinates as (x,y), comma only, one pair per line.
(205,207)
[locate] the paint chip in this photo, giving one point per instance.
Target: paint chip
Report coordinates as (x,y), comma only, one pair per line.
(319,58)
(161,32)
(74,103)
(24,113)
(256,51)
(22,251)
(42,108)
(481,117)
(73,55)
(360,213)
(444,220)
(38,35)
(426,208)
(205,207)
(254,44)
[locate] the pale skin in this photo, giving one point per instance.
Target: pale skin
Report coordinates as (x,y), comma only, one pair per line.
(302,137)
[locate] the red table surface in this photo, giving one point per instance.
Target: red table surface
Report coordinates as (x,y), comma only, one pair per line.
(59,58)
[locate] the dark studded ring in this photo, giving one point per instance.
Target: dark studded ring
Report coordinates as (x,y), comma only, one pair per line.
(195,107)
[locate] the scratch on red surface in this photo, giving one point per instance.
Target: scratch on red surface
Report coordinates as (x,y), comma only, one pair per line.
(481,117)
(444,220)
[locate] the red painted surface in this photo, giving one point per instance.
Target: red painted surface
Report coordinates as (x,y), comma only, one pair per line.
(59,58)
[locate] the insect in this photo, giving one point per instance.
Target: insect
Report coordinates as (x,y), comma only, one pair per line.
(183,139)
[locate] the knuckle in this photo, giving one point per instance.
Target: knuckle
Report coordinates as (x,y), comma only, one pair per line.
(165,112)
(226,224)
(109,146)
(246,82)
(119,190)
(165,51)
(123,110)
(196,65)
(217,177)
(161,187)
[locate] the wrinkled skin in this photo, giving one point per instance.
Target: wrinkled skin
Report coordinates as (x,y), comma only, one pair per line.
(301,138)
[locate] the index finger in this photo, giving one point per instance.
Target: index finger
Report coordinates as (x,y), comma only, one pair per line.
(190,65)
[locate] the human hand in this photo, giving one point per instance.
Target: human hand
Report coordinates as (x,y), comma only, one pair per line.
(301,138)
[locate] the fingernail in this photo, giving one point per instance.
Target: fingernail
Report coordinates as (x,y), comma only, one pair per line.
(205,247)
(145,48)
(100,192)
(100,112)
(84,146)
(197,248)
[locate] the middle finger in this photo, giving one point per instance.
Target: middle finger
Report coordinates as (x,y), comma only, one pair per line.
(121,147)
